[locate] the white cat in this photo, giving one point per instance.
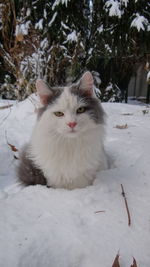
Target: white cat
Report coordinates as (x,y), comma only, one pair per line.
(66,148)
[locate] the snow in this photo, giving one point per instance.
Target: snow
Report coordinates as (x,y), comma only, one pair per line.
(58,2)
(41,226)
(139,22)
(64,26)
(28,13)
(45,14)
(125,2)
(52,19)
(97,77)
(39,24)
(114,8)
(7,57)
(72,37)
(22,28)
(44,43)
(108,49)
(148,77)
(100,29)
(35,61)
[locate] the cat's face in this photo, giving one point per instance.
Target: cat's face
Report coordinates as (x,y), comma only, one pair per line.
(71,111)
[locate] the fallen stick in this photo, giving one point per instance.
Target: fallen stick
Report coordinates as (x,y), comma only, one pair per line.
(98,211)
(7,106)
(126,204)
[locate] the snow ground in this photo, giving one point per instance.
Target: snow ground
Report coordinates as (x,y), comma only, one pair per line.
(42,227)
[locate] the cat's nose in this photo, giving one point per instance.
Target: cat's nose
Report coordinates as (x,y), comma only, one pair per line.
(72,124)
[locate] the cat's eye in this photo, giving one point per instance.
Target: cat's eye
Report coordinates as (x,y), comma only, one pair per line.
(81,110)
(59,113)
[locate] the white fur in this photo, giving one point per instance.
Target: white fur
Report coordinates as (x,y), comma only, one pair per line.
(68,159)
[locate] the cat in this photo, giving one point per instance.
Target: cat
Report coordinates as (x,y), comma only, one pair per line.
(66,147)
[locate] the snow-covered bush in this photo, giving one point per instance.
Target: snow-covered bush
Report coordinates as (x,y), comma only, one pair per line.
(57,40)
(112,93)
(7,89)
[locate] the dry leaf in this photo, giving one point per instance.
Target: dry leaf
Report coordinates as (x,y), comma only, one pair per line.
(125,126)
(20,37)
(116,261)
(13,148)
(134,263)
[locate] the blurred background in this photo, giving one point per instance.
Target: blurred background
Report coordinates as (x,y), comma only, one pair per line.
(58,40)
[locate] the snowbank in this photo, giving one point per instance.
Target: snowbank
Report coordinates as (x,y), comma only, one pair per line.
(84,227)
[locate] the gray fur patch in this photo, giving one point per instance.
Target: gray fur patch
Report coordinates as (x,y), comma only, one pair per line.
(57,91)
(92,104)
(27,172)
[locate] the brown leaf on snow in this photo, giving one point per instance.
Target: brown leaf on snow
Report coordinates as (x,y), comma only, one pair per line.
(13,148)
(134,263)
(116,261)
(125,126)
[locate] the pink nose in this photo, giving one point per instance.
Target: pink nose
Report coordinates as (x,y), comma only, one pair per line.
(72,124)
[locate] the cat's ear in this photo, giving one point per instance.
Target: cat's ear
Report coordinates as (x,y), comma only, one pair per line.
(43,91)
(86,83)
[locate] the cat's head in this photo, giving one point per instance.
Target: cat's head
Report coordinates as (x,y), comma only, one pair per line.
(70,111)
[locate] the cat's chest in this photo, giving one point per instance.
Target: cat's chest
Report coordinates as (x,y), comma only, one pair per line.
(68,156)
(69,164)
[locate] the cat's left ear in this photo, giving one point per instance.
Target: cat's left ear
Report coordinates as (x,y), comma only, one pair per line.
(43,91)
(86,83)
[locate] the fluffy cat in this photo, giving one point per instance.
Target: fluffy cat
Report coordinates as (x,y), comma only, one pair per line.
(66,147)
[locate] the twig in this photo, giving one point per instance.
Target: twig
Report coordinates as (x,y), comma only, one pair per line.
(98,211)
(7,106)
(126,204)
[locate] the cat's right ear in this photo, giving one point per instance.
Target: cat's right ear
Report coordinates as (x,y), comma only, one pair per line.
(86,83)
(43,91)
